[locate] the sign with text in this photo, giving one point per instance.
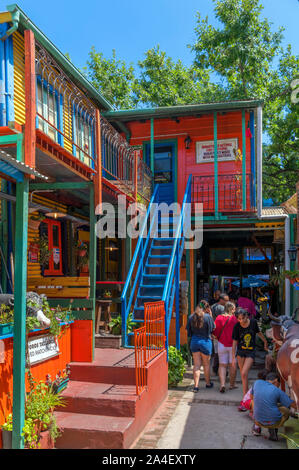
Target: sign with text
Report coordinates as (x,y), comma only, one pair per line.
(41,348)
(225,149)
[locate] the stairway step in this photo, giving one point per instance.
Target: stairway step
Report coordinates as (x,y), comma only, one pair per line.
(151,286)
(154,276)
(158,256)
(142,297)
(156,265)
(99,398)
(88,431)
(162,247)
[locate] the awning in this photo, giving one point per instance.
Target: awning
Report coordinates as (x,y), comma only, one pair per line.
(14,169)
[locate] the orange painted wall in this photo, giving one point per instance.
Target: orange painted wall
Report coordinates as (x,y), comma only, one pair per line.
(199,129)
(39,371)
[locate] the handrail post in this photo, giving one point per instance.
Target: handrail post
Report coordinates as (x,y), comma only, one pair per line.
(177,304)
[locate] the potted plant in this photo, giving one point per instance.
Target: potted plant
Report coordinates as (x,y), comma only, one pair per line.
(7,433)
(293,276)
(40,430)
(6,320)
(82,256)
(61,381)
(44,252)
(35,220)
(115,324)
(107,294)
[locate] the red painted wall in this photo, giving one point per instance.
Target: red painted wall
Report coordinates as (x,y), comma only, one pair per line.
(199,129)
(39,371)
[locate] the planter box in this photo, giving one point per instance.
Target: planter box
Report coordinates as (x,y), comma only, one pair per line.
(6,329)
(45,440)
(6,439)
(108,341)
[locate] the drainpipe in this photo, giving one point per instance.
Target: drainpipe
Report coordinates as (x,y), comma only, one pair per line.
(259,157)
(15,17)
(287,265)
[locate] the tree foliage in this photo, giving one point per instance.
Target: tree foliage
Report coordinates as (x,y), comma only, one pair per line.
(246,59)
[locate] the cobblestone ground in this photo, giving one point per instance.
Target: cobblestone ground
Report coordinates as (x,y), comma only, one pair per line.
(206,420)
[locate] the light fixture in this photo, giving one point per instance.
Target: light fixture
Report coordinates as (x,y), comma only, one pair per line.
(188,142)
(112,246)
(292,251)
(55,214)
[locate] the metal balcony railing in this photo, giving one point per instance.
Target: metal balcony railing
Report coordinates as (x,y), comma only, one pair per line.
(230,193)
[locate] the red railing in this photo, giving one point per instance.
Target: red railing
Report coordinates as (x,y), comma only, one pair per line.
(229,192)
(149,340)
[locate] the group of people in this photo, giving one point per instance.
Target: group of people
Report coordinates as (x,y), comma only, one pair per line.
(227,330)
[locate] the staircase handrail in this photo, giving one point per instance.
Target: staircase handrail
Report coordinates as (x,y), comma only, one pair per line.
(140,247)
(178,232)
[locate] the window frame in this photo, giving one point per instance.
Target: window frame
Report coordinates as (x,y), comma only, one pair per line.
(51,271)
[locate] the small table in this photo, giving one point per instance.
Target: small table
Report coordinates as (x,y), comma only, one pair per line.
(103,306)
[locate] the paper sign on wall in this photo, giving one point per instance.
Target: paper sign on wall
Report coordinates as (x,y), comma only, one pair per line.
(225,150)
(41,348)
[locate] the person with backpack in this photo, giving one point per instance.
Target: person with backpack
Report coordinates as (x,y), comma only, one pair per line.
(225,323)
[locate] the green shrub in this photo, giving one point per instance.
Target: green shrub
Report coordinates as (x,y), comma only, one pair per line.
(176,366)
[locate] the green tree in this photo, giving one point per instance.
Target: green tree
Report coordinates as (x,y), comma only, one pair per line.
(112,77)
(249,61)
(164,82)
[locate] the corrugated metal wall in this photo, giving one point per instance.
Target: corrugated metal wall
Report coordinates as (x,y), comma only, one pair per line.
(19,77)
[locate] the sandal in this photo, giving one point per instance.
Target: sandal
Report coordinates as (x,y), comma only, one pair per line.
(196,389)
(222,390)
(210,385)
(232,387)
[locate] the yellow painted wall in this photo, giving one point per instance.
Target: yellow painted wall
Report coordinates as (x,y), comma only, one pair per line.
(19,77)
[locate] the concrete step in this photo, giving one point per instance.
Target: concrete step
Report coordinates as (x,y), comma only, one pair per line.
(110,366)
(100,399)
(89,431)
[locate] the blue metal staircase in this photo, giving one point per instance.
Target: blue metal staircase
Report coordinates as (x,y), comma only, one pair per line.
(154,273)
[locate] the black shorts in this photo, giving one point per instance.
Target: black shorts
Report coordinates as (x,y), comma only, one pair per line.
(246,354)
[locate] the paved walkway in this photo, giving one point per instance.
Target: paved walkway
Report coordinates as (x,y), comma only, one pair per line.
(205,420)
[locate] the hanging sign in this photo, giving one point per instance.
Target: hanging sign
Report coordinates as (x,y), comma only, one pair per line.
(41,348)
(56,255)
(225,150)
(33,251)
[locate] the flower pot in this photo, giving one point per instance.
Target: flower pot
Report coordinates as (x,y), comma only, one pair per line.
(82,253)
(85,268)
(45,441)
(34,224)
(6,329)
(6,439)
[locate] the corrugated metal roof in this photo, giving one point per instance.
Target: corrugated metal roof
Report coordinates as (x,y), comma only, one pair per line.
(180,110)
(273,211)
(18,167)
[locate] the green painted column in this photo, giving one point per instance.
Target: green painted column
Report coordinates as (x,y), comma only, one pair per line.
(92,258)
(243,161)
(20,288)
(152,147)
(4,239)
(292,263)
(216,192)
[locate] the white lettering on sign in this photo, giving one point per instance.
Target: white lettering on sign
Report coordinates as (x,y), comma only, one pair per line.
(225,150)
(41,348)
(294,357)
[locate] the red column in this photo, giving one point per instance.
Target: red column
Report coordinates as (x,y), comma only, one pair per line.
(30,98)
(98,166)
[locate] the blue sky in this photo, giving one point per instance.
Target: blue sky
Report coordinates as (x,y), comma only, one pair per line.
(134,26)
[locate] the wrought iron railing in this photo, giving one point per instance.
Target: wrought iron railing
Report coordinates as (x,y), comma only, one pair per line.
(63,111)
(230,192)
(118,163)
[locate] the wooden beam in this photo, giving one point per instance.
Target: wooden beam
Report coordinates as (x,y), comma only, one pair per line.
(30,99)
(92,259)
(61,185)
(243,161)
